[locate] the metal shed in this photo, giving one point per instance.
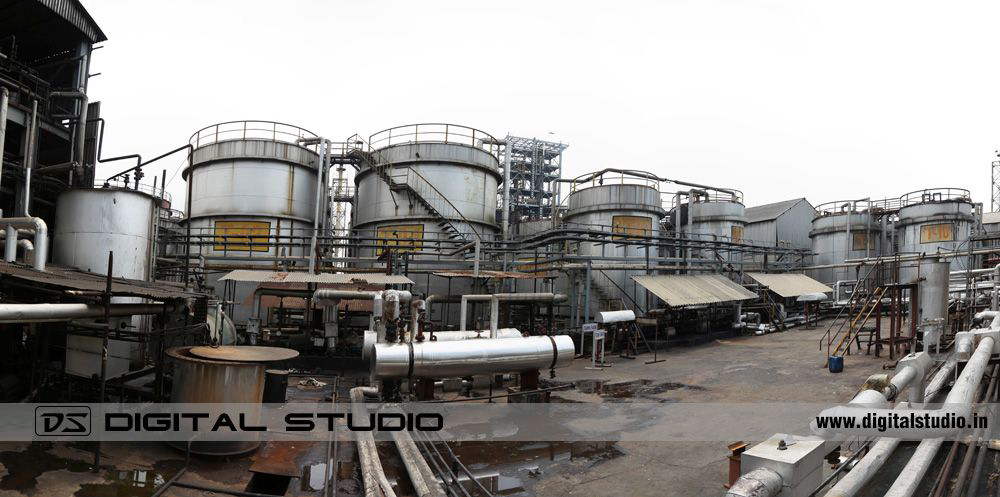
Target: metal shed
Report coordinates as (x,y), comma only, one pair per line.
(680,290)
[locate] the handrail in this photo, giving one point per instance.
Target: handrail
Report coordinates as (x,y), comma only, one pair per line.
(249,129)
(120,183)
(433,133)
(441,195)
(622,290)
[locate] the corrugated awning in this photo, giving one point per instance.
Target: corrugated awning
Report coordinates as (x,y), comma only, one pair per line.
(258,276)
(789,284)
(679,290)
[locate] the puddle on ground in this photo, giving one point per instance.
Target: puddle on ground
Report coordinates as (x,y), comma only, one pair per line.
(24,467)
(131,483)
(625,390)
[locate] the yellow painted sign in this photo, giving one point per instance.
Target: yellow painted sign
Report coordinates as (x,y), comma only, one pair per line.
(402,237)
(632,225)
(242,236)
(944,232)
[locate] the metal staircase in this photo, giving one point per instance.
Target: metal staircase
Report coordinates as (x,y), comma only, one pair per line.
(864,301)
(418,189)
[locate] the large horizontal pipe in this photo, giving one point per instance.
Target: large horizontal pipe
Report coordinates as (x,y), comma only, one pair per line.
(471,357)
(35,313)
(371,337)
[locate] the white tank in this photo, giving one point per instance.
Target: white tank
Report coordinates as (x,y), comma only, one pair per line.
(627,205)
(91,222)
(843,230)
(931,221)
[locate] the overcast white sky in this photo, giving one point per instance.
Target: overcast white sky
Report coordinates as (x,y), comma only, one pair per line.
(827,100)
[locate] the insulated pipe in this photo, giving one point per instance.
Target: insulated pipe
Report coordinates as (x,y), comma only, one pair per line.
(325,295)
(41,239)
(23,244)
(416,306)
(4,100)
(761,482)
(277,292)
(957,404)
(29,155)
(36,313)
(495,300)
(851,483)
(425,483)
(996,279)
(962,393)
(81,123)
(464,308)
(320,196)
(372,475)
(471,357)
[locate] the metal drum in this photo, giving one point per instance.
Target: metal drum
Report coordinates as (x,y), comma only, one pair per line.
(630,206)
(931,221)
(843,230)
(231,375)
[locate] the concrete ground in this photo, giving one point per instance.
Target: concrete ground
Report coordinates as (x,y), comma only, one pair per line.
(785,367)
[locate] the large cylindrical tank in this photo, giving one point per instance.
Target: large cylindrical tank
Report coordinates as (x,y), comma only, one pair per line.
(717,217)
(931,221)
(840,231)
(91,222)
(426,187)
(253,192)
(451,175)
(632,209)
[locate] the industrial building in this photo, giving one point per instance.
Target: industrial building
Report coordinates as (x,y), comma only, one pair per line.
(442,263)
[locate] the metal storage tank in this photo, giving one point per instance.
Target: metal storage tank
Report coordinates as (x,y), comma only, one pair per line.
(92,221)
(625,204)
(253,191)
(454,169)
(426,186)
(843,230)
(934,220)
(717,216)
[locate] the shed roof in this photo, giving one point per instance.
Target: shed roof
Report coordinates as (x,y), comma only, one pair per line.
(789,284)
(258,276)
(680,290)
(768,212)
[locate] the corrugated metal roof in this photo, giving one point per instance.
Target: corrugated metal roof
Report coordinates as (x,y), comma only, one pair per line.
(768,212)
(789,284)
(258,276)
(991,217)
(75,279)
(73,11)
(679,290)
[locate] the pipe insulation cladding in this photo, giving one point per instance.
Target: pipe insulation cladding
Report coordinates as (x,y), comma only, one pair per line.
(470,357)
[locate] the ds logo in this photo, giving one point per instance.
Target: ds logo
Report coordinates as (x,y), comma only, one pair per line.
(62,421)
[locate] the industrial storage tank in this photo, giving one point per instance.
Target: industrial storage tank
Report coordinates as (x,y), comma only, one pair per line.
(717,216)
(253,192)
(90,222)
(843,230)
(619,203)
(934,220)
(426,187)
(431,182)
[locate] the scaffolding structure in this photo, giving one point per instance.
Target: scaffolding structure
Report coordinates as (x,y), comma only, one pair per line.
(996,185)
(532,167)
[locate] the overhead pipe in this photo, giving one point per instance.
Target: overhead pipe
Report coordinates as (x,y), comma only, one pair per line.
(37,313)
(470,357)
(81,122)
(495,300)
(321,191)
(41,239)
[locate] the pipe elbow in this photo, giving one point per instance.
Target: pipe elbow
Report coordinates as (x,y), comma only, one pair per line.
(761,482)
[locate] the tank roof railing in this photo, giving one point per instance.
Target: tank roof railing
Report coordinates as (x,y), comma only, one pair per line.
(434,133)
(250,130)
(638,177)
(122,184)
(836,207)
(946,194)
